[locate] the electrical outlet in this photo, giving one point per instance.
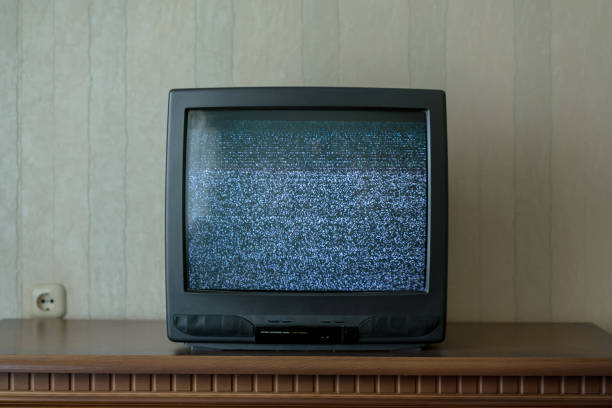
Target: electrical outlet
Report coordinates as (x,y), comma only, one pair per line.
(49,300)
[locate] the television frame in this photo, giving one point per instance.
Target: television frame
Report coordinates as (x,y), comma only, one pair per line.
(306,309)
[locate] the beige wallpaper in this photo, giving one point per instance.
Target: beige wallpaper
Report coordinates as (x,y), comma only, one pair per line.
(83,94)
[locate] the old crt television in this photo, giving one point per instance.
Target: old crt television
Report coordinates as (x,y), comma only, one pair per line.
(305,218)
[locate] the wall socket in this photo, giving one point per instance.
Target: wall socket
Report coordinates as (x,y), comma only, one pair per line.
(49,300)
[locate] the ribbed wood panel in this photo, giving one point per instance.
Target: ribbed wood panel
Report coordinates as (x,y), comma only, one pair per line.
(121,382)
(20,382)
(306,384)
(80,382)
(40,382)
(101,382)
(4,381)
(61,382)
(162,382)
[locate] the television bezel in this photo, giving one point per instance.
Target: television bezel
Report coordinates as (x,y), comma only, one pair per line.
(180,301)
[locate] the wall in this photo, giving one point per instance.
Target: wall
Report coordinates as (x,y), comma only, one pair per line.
(83,93)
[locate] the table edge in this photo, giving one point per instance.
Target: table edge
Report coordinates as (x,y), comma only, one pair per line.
(326,365)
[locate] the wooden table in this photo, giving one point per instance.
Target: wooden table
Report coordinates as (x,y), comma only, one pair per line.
(93,363)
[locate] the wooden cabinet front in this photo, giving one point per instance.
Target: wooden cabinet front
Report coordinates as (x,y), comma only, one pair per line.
(131,363)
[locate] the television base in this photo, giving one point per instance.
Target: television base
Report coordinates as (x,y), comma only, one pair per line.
(203,348)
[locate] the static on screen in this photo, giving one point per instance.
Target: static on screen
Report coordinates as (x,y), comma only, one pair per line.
(305,200)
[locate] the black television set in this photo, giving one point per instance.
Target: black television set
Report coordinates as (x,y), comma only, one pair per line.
(306,218)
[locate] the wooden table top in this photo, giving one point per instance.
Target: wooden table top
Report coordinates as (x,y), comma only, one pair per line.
(142,346)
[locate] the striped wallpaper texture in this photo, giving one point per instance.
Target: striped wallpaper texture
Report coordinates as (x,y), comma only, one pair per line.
(83,97)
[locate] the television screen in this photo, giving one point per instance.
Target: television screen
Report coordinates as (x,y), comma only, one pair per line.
(306,200)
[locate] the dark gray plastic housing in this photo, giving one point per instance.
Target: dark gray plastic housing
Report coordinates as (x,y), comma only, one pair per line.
(306,320)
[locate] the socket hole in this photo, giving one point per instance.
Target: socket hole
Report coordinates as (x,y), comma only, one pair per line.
(45,302)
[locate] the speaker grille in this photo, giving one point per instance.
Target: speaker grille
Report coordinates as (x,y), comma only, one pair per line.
(214,325)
